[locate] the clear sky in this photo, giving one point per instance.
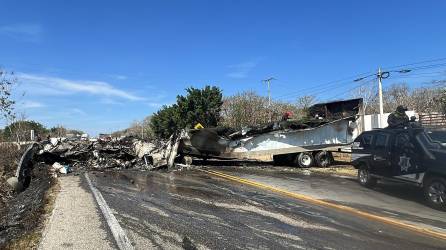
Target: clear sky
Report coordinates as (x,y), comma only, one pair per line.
(99,65)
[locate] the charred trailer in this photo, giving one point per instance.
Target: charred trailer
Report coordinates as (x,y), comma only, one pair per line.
(329,127)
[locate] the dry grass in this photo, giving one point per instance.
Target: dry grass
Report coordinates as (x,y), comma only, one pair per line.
(34,220)
(31,240)
(340,170)
(9,157)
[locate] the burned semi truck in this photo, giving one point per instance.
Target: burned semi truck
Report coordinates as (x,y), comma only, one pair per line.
(328,127)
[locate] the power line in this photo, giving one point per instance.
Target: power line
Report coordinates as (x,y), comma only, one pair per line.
(349,90)
(335,82)
(415,63)
(319,89)
(405,70)
(316,92)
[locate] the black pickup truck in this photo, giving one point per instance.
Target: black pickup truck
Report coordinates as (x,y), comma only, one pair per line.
(412,155)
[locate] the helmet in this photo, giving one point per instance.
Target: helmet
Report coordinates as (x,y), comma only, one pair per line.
(401,109)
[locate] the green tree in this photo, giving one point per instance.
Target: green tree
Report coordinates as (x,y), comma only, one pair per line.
(198,106)
(21,130)
(164,122)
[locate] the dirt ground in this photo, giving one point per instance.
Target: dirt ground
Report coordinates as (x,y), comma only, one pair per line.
(22,214)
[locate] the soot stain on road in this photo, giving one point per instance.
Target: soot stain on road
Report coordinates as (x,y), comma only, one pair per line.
(161,209)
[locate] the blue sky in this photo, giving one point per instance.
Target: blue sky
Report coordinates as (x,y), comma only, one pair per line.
(99,65)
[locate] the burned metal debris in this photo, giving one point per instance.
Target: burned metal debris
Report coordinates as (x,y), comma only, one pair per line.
(121,153)
(65,156)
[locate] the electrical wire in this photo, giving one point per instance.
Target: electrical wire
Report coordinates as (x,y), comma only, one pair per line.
(416,63)
(350,90)
(322,85)
(320,89)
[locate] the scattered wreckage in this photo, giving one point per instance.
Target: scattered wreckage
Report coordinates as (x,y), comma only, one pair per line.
(330,127)
(66,156)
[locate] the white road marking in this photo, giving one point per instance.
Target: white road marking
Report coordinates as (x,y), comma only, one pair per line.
(121,238)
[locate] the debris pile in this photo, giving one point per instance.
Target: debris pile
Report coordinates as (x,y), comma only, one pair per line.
(66,156)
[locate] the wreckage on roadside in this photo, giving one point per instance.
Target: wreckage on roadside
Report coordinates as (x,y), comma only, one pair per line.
(65,156)
(329,127)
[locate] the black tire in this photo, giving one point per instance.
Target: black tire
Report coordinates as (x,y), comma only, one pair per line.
(304,160)
(435,192)
(364,177)
(323,159)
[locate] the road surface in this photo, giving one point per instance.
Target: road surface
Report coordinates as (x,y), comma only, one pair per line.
(194,210)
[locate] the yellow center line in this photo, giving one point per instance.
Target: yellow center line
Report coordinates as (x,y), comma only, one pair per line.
(309,199)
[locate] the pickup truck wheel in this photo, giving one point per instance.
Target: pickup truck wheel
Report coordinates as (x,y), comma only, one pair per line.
(364,177)
(435,192)
(305,160)
(323,159)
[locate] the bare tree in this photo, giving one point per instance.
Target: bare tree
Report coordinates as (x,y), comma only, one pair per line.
(304,102)
(422,100)
(249,109)
(7,81)
(425,100)
(140,129)
(368,93)
(395,95)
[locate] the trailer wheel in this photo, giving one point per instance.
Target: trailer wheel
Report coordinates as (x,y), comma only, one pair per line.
(323,159)
(304,160)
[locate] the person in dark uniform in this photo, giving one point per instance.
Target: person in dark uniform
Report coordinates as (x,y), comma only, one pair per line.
(398,118)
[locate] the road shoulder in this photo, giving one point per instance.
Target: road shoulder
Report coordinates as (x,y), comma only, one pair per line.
(76,221)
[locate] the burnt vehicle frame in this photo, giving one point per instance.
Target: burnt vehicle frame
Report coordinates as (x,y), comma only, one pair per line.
(329,127)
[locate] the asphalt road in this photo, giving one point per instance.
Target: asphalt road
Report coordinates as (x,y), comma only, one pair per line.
(191,209)
(395,200)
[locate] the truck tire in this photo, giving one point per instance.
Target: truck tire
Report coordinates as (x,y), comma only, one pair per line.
(364,177)
(304,160)
(435,192)
(323,159)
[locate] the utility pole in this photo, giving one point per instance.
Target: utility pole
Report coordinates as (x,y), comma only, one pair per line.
(381,75)
(142,129)
(268,82)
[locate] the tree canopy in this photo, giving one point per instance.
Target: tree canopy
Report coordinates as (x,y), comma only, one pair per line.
(198,106)
(21,130)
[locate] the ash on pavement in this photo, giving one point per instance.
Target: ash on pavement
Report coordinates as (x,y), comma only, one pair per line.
(169,210)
